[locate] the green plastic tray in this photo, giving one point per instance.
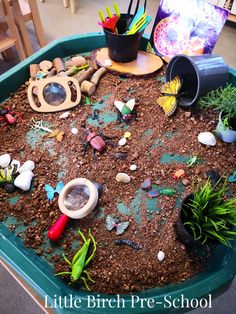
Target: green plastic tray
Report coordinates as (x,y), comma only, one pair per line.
(38,274)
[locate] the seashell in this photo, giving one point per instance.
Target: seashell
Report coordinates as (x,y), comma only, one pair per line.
(133,167)
(207,138)
(108,63)
(64,115)
(160,256)
(74,131)
(153,193)
(122,141)
(123,177)
(17,163)
(23,181)
(27,166)
(5,160)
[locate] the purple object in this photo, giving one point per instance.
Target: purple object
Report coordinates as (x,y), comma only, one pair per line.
(153,193)
(146,185)
(186,27)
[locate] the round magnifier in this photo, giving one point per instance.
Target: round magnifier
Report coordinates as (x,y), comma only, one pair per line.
(76,200)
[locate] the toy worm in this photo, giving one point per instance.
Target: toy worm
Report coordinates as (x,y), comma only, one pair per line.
(129,243)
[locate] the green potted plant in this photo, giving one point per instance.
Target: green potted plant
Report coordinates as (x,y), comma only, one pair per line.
(207,217)
(224,100)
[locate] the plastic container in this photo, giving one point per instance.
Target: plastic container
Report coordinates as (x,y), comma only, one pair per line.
(122,48)
(200,75)
(226,135)
(38,275)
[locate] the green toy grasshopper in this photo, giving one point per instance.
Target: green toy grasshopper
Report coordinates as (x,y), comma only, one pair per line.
(192,161)
(79,261)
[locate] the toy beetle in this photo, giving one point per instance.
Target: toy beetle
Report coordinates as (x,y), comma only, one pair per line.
(97,141)
(126,110)
(7,116)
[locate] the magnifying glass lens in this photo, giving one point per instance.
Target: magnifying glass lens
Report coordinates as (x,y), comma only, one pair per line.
(77,197)
(54,94)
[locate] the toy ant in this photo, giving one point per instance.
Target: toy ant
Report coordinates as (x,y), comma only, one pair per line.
(9,117)
(96,140)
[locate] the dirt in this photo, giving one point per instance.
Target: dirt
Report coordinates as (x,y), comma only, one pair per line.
(115,269)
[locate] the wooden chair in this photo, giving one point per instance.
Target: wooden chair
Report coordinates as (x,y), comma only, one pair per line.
(66,4)
(6,42)
(25,11)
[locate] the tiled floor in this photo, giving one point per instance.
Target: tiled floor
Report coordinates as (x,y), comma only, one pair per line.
(58,22)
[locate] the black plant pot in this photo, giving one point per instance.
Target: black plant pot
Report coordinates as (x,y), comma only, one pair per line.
(200,75)
(182,233)
(122,48)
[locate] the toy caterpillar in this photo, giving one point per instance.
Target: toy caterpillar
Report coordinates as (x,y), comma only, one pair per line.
(167,192)
(129,243)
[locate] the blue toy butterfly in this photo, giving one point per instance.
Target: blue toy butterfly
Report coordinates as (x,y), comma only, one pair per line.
(51,191)
(232,178)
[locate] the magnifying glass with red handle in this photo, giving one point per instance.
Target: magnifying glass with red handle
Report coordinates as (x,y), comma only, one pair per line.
(76,200)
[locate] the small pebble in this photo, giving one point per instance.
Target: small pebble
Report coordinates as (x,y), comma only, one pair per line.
(5,160)
(29,165)
(23,181)
(188,114)
(108,63)
(153,193)
(146,184)
(133,167)
(123,177)
(64,115)
(185,182)
(122,141)
(160,256)
(127,135)
(9,188)
(74,131)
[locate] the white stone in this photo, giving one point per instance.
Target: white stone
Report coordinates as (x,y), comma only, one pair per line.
(16,162)
(122,141)
(74,131)
(207,138)
(160,256)
(23,181)
(123,177)
(64,115)
(5,160)
(27,166)
(108,63)
(133,167)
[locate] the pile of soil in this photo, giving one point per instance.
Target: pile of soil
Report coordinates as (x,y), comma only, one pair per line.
(115,269)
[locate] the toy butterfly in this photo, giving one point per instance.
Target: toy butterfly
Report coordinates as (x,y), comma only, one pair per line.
(112,223)
(58,134)
(232,178)
(51,192)
(170,91)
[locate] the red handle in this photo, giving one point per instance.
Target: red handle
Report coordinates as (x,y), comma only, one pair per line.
(10,118)
(58,228)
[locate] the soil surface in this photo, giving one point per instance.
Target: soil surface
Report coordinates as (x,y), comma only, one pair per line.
(159,146)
